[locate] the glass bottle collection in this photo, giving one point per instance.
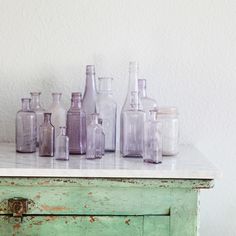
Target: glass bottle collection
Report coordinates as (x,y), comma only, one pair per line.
(89,126)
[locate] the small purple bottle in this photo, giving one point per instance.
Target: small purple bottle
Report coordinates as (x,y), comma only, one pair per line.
(46,137)
(76,125)
(26,128)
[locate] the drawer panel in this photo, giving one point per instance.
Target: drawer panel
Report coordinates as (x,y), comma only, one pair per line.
(88,200)
(72,225)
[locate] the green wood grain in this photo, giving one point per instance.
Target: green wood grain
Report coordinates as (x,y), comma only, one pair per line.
(71,226)
(156,226)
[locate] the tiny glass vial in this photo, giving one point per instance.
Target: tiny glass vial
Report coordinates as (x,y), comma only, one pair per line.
(152,139)
(26,128)
(46,137)
(170,130)
(95,139)
(62,146)
(100,122)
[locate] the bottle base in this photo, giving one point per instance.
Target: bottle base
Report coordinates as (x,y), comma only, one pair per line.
(152,161)
(21,151)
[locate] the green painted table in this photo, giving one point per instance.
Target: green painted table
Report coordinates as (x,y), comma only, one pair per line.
(111,196)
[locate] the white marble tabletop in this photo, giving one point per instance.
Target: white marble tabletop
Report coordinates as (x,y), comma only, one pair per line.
(189,164)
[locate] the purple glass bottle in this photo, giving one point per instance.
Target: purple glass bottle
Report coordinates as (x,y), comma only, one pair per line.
(26,128)
(46,137)
(76,125)
(90,93)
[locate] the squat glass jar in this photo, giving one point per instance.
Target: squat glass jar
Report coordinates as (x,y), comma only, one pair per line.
(168,116)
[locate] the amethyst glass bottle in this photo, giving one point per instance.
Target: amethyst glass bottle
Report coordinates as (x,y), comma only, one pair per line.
(76,125)
(37,108)
(95,139)
(26,128)
(46,137)
(90,93)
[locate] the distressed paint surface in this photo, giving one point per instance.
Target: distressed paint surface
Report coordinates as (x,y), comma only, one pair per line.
(71,226)
(162,207)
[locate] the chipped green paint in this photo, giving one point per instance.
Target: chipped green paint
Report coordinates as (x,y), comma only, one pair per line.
(111,206)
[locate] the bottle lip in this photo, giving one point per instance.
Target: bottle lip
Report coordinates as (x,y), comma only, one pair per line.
(56,93)
(47,113)
(35,93)
(142,82)
(90,69)
(167,111)
(26,99)
(75,94)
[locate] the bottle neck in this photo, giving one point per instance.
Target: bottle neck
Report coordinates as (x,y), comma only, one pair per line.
(76,102)
(26,104)
(90,86)
(47,118)
(35,100)
(63,131)
(142,92)
(133,76)
(153,115)
(94,118)
(56,97)
(105,85)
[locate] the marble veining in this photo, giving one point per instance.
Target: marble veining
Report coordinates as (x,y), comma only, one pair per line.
(189,164)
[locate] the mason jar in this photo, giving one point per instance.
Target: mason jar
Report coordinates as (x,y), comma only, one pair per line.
(168,116)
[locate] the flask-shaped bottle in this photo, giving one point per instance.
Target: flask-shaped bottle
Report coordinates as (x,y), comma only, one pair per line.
(132,118)
(90,93)
(62,145)
(76,125)
(46,137)
(107,109)
(58,113)
(26,128)
(39,111)
(95,139)
(152,139)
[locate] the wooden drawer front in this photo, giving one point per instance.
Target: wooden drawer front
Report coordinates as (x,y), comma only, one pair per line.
(88,200)
(84,226)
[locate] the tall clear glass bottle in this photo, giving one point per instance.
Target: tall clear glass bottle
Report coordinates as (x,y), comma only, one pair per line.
(107,109)
(26,128)
(62,146)
(58,113)
(147,102)
(132,118)
(37,108)
(133,129)
(152,139)
(76,125)
(46,137)
(94,139)
(90,93)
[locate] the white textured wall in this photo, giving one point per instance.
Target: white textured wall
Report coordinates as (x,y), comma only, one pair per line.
(186,50)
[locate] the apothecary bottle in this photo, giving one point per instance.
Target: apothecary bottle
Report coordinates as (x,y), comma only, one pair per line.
(132,118)
(147,102)
(76,125)
(152,139)
(107,109)
(47,137)
(26,128)
(168,116)
(95,138)
(90,93)
(58,113)
(62,146)
(37,108)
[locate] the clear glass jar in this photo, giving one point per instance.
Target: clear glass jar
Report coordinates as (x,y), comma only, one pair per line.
(170,130)
(26,128)
(152,139)
(107,109)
